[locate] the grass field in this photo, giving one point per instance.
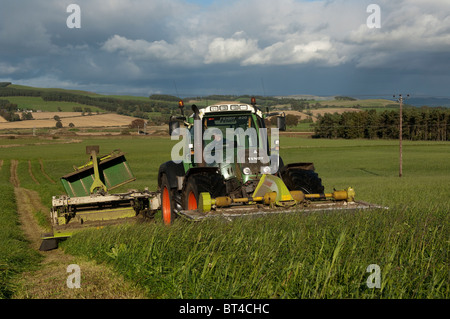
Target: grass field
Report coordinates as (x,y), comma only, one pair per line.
(37,103)
(317,255)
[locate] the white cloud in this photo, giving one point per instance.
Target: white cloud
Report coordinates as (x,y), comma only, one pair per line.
(181,52)
(147,40)
(411,27)
(287,32)
(243,32)
(236,48)
(296,52)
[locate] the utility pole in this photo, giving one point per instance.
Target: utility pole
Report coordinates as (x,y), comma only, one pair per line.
(400,138)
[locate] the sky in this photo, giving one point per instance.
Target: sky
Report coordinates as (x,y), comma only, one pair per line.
(256,47)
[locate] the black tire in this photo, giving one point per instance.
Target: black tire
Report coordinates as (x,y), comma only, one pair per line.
(167,201)
(306,181)
(199,183)
(280,166)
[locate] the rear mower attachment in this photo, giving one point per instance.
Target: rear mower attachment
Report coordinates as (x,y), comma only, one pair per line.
(88,203)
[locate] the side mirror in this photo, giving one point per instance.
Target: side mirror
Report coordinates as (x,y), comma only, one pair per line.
(281,123)
(173,125)
(196,112)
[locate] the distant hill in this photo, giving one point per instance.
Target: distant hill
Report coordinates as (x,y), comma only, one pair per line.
(412,101)
(428,101)
(17,86)
(20,97)
(158,107)
(307,97)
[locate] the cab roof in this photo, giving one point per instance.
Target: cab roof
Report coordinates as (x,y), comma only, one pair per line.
(229,108)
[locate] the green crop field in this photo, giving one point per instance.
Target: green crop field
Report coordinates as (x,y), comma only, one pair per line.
(37,103)
(314,255)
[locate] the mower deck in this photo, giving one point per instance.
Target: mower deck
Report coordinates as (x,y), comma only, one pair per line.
(255,210)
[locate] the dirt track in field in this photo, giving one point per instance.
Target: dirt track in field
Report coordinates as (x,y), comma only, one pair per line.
(14,179)
(41,164)
(30,171)
(50,280)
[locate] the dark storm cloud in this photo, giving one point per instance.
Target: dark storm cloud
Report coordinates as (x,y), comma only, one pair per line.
(142,47)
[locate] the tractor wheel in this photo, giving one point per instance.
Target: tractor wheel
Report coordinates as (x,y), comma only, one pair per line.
(306,181)
(200,183)
(167,201)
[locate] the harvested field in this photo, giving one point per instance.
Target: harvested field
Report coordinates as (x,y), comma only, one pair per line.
(50,115)
(333,110)
(45,119)
(317,112)
(300,115)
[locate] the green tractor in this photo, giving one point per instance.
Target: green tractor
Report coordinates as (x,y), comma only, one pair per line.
(228,168)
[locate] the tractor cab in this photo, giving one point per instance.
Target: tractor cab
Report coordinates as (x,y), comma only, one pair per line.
(232,137)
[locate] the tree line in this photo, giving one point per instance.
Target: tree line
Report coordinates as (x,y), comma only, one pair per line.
(159,103)
(8,112)
(425,123)
(129,107)
(121,106)
(418,124)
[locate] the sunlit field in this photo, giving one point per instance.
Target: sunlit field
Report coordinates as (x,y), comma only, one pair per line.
(314,255)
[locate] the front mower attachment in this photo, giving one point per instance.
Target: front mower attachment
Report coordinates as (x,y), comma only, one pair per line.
(271,196)
(259,210)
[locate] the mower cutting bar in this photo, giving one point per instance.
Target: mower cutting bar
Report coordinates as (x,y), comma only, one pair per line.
(101,207)
(61,201)
(241,210)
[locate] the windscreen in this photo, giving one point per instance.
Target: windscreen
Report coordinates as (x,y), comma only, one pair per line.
(224,122)
(240,129)
(234,135)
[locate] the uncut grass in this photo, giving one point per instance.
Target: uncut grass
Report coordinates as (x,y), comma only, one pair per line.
(306,256)
(295,256)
